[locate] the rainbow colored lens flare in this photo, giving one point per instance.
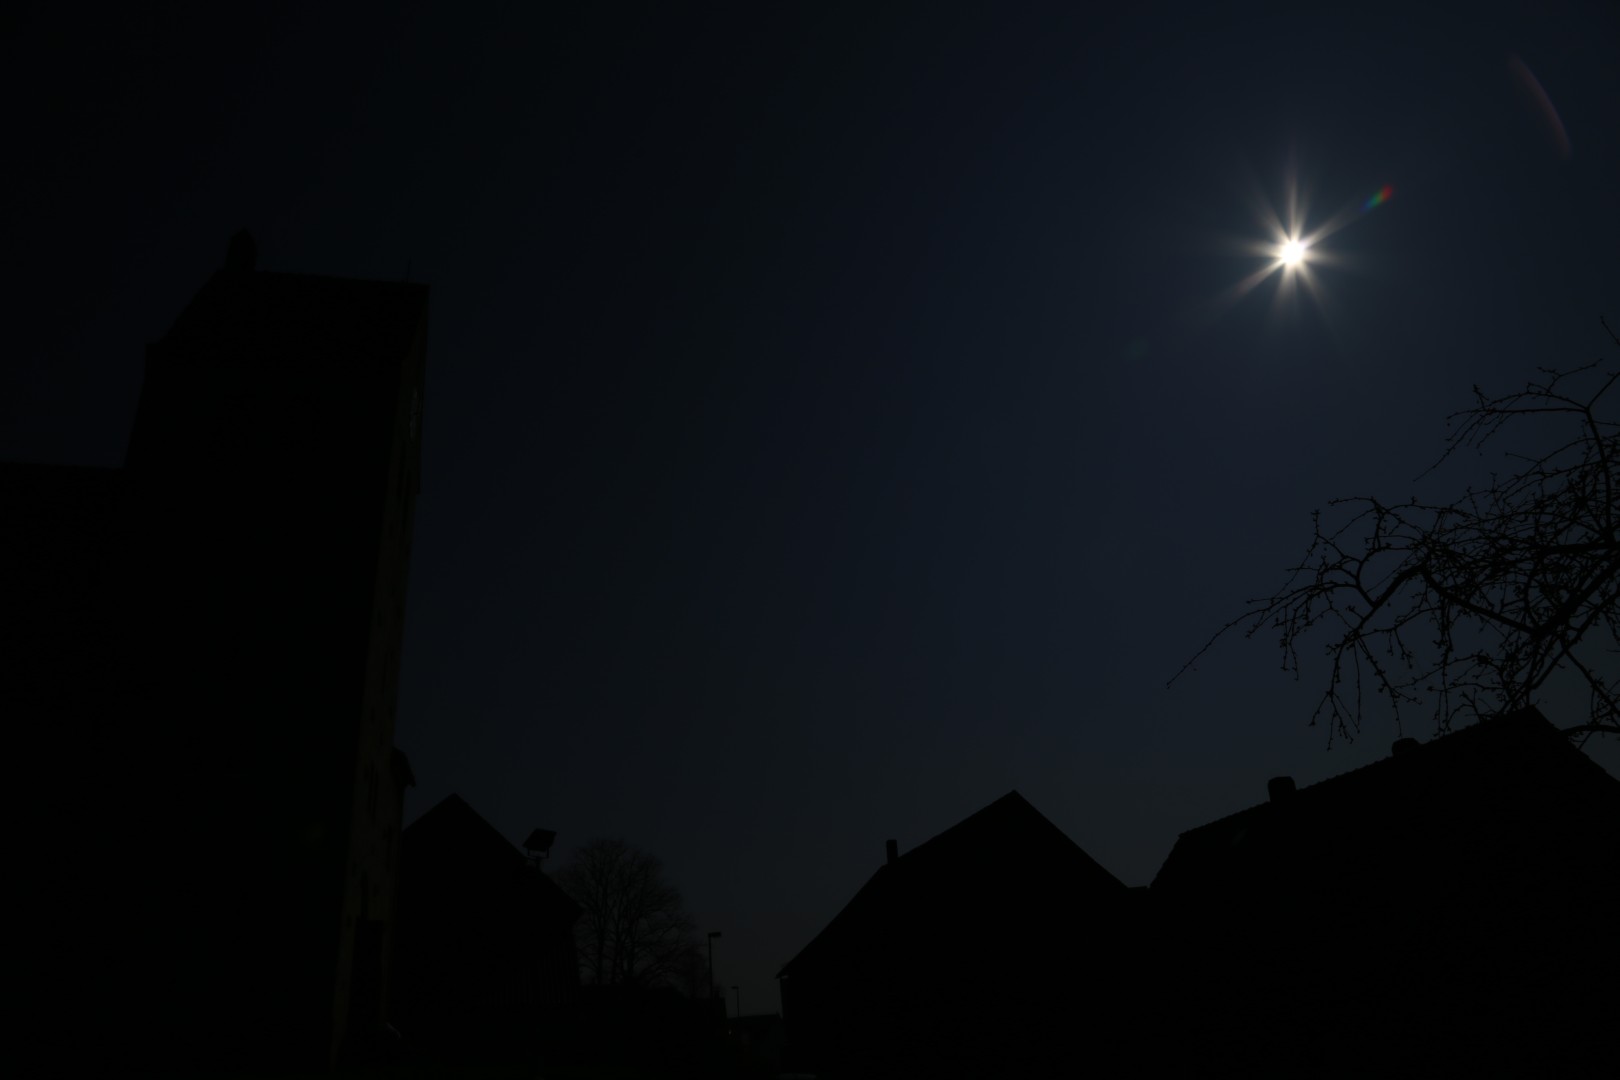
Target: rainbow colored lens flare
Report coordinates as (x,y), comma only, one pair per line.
(1380,198)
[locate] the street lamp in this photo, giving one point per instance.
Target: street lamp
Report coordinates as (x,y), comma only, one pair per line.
(712,935)
(538,846)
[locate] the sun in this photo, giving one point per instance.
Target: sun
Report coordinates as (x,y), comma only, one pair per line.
(1289,248)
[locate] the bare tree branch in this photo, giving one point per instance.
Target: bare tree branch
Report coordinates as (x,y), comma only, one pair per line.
(1469,608)
(635,930)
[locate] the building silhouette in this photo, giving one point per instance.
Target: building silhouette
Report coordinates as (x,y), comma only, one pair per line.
(215,631)
(484,958)
(965,956)
(1446,911)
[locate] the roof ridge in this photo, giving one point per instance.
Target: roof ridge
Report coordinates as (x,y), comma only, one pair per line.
(1012,798)
(454,802)
(1528,719)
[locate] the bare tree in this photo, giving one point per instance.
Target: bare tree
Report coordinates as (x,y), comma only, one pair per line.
(1471,607)
(634,930)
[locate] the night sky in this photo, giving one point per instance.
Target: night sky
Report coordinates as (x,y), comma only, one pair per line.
(838,417)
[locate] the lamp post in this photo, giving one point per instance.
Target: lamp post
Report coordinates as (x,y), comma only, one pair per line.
(712,935)
(538,845)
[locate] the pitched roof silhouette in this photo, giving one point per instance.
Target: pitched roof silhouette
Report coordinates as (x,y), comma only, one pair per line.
(1488,800)
(1005,858)
(452,849)
(453,821)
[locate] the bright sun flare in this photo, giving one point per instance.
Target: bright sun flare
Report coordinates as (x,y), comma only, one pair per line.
(1289,251)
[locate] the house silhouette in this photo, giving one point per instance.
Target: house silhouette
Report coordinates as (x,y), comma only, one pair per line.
(486,973)
(960,956)
(206,650)
(1433,913)
(485,944)
(1446,911)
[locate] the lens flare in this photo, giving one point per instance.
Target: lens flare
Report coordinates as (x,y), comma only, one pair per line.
(1291,249)
(1538,94)
(1294,245)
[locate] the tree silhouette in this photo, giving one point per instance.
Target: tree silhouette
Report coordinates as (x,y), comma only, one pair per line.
(1472,606)
(634,930)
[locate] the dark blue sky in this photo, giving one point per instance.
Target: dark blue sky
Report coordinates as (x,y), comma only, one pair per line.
(834,420)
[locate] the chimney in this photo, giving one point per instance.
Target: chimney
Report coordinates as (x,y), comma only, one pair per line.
(891,848)
(1280,788)
(1403,747)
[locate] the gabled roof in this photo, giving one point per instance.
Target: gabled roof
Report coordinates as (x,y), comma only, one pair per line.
(453,824)
(1007,858)
(453,853)
(1506,789)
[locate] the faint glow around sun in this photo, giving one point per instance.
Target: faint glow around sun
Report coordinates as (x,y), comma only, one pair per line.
(1290,245)
(1290,249)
